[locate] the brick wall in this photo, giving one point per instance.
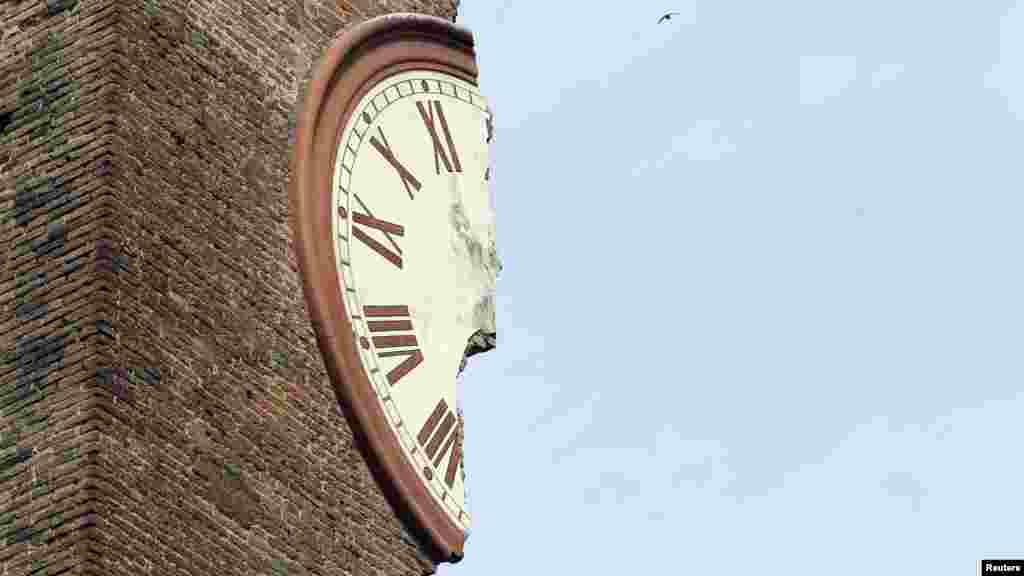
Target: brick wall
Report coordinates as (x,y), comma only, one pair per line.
(164,406)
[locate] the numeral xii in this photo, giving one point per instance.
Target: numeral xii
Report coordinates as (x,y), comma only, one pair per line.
(440,152)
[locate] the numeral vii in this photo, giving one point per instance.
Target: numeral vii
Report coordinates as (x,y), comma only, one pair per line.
(385,339)
(427,114)
(441,428)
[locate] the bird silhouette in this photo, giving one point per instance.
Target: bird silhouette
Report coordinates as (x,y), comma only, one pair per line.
(667,16)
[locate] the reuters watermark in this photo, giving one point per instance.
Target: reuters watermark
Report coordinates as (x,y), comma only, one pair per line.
(1000,567)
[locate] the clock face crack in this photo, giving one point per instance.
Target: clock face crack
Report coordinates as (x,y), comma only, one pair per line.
(478,343)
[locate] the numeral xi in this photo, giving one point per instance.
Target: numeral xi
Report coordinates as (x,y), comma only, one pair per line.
(386,341)
(403,172)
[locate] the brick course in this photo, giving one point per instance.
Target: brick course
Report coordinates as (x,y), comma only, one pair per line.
(165,409)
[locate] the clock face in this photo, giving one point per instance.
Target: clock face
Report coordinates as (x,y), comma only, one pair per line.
(394,239)
(414,251)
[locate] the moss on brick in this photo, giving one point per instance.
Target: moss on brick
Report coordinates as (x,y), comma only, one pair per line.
(127,157)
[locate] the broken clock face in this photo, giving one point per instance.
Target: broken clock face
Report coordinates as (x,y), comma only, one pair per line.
(414,245)
(395,233)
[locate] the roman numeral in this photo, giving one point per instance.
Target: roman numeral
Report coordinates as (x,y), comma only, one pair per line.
(435,431)
(403,173)
(367,219)
(427,114)
(385,342)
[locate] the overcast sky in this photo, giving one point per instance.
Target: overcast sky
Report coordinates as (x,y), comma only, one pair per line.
(762,298)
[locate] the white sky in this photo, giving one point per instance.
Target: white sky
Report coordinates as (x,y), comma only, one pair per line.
(762,289)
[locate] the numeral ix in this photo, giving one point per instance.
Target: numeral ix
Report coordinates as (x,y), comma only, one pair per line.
(388,343)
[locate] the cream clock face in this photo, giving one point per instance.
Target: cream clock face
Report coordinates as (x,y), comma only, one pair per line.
(414,249)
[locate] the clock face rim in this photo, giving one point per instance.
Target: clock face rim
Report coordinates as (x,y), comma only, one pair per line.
(355,65)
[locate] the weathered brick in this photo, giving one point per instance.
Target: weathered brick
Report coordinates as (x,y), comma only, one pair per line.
(165,409)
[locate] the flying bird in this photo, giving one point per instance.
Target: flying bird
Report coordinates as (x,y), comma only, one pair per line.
(667,16)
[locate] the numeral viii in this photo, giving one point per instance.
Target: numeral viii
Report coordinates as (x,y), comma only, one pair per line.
(440,428)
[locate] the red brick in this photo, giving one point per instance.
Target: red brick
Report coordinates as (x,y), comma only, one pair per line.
(177,260)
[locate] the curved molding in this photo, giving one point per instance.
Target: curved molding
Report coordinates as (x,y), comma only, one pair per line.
(360,58)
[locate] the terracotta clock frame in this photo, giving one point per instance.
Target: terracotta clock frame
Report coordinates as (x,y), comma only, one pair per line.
(357,61)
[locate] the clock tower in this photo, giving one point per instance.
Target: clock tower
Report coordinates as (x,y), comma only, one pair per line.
(246,251)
